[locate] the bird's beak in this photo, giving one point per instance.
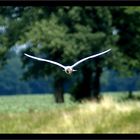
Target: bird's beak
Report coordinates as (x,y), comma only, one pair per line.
(74,70)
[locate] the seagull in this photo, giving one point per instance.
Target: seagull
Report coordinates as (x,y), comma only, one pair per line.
(68,69)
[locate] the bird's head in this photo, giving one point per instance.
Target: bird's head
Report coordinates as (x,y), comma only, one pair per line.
(69,70)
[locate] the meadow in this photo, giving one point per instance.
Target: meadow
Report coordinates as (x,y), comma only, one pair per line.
(40,114)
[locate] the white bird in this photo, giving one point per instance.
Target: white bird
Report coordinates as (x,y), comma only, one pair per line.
(68,69)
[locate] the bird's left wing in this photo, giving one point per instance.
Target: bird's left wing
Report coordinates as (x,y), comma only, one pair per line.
(92,56)
(50,61)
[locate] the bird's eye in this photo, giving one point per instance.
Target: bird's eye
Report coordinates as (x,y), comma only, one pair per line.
(67,71)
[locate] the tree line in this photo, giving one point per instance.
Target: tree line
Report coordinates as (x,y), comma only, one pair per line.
(68,33)
(12,83)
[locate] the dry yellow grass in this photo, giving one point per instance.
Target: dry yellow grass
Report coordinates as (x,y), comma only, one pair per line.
(108,116)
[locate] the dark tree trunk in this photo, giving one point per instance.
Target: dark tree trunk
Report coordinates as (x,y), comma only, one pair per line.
(83,89)
(59,91)
(86,85)
(130,95)
(96,80)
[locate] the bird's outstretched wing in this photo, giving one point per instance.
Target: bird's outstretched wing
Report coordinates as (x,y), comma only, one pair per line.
(50,61)
(92,56)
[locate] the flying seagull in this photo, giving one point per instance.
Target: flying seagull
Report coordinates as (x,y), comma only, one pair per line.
(68,69)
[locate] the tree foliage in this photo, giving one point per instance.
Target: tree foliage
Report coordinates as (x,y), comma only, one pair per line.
(69,33)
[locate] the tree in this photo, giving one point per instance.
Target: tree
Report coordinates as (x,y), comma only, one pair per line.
(49,39)
(126,21)
(64,34)
(91,29)
(20,20)
(67,34)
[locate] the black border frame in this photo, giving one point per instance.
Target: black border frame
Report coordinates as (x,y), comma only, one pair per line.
(70,3)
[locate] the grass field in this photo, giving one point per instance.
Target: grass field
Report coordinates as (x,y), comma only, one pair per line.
(39,114)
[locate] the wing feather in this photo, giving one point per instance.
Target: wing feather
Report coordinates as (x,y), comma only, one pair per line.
(92,56)
(49,61)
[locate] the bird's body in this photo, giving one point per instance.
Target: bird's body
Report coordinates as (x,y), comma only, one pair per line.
(68,69)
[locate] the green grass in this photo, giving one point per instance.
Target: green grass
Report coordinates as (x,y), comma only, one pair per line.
(39,114)
(27,103)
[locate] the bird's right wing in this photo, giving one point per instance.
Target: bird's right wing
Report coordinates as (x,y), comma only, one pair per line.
(92,56)
(50,61)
